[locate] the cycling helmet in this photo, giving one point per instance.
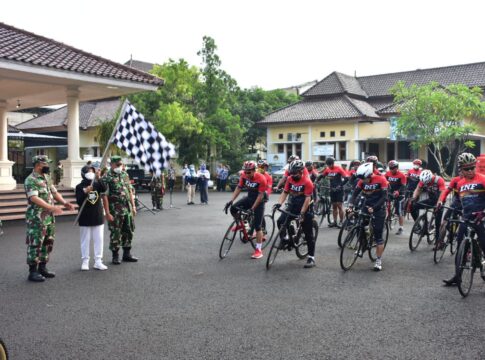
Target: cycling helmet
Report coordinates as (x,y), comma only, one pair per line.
(365,170)
(249,165)
(372,159)
(330,161)
(417,162)
(262,163)
(354,163)
(466,159)
(293,158)
(308,163)
(426,176)
(296,166)
(393,164)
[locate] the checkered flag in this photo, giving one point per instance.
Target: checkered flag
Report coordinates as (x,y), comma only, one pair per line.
(140,140)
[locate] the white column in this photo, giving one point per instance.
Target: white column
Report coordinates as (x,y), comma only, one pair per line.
(310,150)
(73,164)
(7,182)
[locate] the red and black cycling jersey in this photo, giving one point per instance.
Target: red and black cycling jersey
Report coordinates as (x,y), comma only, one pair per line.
(305,173)
(397,181)
(375,192)
(298,191)
(452,188)
(269,183)
(313,175)
(413,178)
(472,194)
(336,175)
(254,186)
(434,187)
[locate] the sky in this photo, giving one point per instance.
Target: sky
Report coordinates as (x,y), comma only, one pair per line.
(267,43)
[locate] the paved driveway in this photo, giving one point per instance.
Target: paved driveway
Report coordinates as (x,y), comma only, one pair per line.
(181,302)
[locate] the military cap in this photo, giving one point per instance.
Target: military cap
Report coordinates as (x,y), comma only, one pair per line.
(115,159)
(40,158)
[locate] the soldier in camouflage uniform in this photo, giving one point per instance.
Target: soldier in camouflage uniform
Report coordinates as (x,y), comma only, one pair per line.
(119,207)
(156,186)
(40,218)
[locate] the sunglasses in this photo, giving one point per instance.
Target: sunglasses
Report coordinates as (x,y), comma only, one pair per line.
(468,168)
(248,172)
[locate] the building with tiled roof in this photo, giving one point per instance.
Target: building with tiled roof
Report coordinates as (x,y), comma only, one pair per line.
(349,117)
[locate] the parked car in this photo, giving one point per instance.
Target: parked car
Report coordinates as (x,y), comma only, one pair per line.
(140,178)
(233,180)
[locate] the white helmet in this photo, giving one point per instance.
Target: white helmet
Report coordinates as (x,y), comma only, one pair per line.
(365,170)
(426,176)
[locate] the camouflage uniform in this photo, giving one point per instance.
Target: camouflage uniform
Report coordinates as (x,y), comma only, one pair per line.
(118,192)
(156,191)
(40,222)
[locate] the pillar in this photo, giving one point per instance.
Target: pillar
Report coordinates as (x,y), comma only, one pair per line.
(7,182)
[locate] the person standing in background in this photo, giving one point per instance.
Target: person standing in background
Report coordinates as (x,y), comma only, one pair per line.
(190,181)
(185,172)
(204,177)
(224,176)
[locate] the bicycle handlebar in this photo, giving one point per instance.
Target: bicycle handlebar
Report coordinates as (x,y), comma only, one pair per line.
(288,213)
(425,205)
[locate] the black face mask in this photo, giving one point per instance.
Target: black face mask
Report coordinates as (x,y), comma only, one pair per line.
(296,177)
(46,170)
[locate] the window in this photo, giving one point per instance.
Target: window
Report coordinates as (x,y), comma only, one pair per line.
(298,150)
(404,150)
(322,133)
(332,133)
(280,136)
(298,136)
(342,132)
(281,148)
(342,150)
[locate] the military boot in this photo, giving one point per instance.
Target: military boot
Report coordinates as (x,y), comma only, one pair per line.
(45,272)
(127,256)
(34,274)
(116,258)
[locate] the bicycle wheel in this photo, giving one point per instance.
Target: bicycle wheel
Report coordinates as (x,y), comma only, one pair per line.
(301,248)
(344,228)
(268,230)
(466,269)
(373,247)
(392,217)
(275,247)
(417,232)
(228,240)
(452,234)
(350,249)
(441,243)
(431,230)
(3,351)
(330,217)
(318,208)
(322,211)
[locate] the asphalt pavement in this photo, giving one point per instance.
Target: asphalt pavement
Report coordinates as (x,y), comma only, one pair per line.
(181,302)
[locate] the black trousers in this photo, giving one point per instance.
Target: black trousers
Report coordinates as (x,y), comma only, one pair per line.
(307,227)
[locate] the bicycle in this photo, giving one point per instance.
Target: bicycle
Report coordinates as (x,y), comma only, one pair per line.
(422,227)
(349,221)
(391,217)
(359,240)
(243,224)
(470,255)
(290,235)
(447,235)
(323,207)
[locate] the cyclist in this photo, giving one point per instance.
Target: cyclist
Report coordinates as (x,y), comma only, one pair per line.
(338,178)
(397,188)
(255,184)
(282,181)
(263,169)
(471,189)
(413,177)
(433,185)
(374,189)
(376,164)
(313,174)
(300,190)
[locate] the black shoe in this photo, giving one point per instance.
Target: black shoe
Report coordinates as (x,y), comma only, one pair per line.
(116,258)
(451,282)
(45,272)
(331,225)
(127,257)
(34,274)
(309,263)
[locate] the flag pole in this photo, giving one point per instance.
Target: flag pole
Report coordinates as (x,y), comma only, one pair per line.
(104,159)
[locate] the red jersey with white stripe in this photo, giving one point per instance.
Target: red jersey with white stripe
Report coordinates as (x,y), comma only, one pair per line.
(434,187)
(269,183)
(335,175)
(374,190)
(413,178)
(472,193)
(396,181)
(254,186)
(298,190)
(452,188)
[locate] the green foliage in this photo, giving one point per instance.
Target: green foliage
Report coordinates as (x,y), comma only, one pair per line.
(433,116)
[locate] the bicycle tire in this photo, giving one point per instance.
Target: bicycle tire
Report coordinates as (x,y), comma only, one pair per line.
(301,248)
(330,218)
(372,248)
(350,249)
(466,269)
(431,230)
(3,351)
(322,211)
(452,234)
(441,244)
(392,217)
(228,240)
(275,247)
(343,228)
(268,231)
(415,238)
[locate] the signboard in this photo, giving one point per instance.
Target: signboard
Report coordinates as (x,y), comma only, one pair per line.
(277,159)
(324,150)
(393,128)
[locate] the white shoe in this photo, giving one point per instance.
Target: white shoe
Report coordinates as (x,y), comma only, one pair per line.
(85,265)
(100,266)
(378,265)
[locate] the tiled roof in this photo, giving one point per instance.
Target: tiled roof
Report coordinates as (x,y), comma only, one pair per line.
(20,46)
(327,109)
(140,65)
(336,83)
(90,114)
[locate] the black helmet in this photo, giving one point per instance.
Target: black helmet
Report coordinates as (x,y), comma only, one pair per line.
(308,163)
(293,158)
(330,161)
(372,158)
(296,166)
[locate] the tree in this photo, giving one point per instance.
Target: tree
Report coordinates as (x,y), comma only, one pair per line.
(435,117)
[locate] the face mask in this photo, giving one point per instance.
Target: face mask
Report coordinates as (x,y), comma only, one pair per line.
(296,177)
(46,170)
(89,176)
(117,170)
(416,167)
